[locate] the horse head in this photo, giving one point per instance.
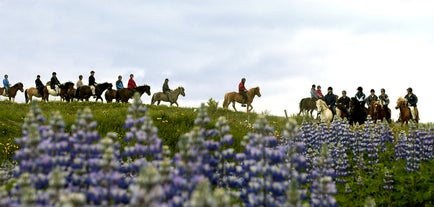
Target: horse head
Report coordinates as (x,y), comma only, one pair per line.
(19,86)
(181,90)
(401,102)
(67,85)
(144,89)
(257,91)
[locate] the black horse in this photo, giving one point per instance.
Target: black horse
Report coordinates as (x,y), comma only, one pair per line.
(85,92)
(358,112)
(124,94)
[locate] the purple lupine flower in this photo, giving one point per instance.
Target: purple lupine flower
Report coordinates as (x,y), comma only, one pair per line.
(388,180)
(143,143)
(323,188)
(264,172)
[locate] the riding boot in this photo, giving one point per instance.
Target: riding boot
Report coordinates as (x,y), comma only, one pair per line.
(243,104)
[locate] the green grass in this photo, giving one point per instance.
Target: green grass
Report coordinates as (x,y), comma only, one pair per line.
(172,122)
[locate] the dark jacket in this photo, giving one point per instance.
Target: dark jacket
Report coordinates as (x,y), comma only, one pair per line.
(53,82)
(412,100)
(39,84)
(330,99)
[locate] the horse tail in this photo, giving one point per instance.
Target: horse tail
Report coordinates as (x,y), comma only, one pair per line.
(226,101)
(153,99)
(26,96)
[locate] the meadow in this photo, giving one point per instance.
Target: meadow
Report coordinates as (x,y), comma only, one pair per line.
(95,154)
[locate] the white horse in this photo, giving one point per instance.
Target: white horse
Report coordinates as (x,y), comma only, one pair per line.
(326,114)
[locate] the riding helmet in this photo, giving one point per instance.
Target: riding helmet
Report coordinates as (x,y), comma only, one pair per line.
(410,90)
(372,90)
(329,88)
(54,73)
(360,88)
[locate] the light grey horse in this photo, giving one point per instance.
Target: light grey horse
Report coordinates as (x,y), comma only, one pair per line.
(160,96)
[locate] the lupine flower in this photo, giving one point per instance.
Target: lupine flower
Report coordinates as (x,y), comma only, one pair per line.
(388,179)
(143,145)
(265,177)
(323,188)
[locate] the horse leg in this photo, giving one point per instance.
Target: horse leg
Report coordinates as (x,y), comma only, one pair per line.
(233,105)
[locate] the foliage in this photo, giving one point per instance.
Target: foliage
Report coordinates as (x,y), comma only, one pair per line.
(215,158)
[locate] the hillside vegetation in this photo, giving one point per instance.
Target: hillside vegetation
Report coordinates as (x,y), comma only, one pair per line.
(171,122)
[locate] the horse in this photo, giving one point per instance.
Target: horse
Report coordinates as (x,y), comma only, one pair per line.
(307,105)
(358,112)
(31,92)
(405,111)
(325,113)
(110,95)
(379,112)
(124,94)
(160,96)
(60,90)
(84,92)
(12,91)
(232,97)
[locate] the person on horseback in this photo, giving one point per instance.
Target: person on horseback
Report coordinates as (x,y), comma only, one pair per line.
(131,82)
(54,81)
(384,100)
(344,101)
(119,84)
(39,85)
(243,91)
(92,82)
(80,81)
(167,90)
(330,99)
(318,93)
(411,101)
(372,97)
(360,96)
(6,85)
(313,93)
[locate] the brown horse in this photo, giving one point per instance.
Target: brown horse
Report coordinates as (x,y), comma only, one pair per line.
(307,105)
(12,91)
(232,97)
(124,94)
(405,112)
(379,112)
(84,92)
(30,93)
(110,95)
(160,96)
(59,90)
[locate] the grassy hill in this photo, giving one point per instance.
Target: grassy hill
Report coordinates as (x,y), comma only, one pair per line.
(171,122)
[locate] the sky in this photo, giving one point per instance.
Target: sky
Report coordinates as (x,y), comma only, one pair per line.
(282,46)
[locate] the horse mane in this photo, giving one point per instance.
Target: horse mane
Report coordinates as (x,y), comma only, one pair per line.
(400,99)
(17,84)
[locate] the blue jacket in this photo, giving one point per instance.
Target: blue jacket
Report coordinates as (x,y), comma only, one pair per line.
(6,83)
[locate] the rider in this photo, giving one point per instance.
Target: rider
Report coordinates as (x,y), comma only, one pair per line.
(119,84)
(39,85)
(330,99)
(54,81)
(131,82)
(167,90)
(313,92)
(92,82)
(412,101)
(80,81)
(372,97)
(6,85)
(384,100)
(243,91)
(344,101)
(360,96)
(318,92)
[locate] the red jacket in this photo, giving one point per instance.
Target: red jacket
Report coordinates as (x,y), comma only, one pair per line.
(131,83)
(241,87)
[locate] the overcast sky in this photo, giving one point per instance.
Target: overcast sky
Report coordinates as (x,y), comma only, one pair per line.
(282,46)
